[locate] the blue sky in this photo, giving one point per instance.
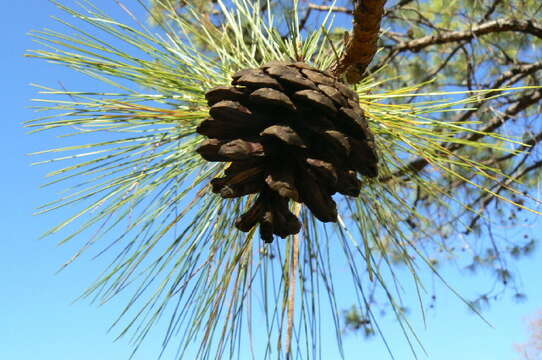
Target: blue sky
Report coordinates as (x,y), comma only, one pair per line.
(39,320)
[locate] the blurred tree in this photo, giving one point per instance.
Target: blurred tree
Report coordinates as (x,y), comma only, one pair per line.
(532,349)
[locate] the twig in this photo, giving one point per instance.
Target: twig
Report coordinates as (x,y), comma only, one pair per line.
(442,65)
(501,25)
(491,9)
(527,27)
(303,21)
(517,73)
(328,8)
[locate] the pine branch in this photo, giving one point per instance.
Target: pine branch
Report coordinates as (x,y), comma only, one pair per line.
(361,47)
(491,9)
(516,73)
(328,8)
(501,25)
(521,104)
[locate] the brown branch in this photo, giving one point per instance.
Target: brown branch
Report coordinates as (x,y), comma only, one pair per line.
(303,21)
(361,47)
(328,8)
(501,25)
(517,73)
(400,4)
(491,9)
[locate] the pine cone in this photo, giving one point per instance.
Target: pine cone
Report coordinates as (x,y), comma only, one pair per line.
(290,131)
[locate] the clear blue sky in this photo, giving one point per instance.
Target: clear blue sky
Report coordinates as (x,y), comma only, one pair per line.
(39,322)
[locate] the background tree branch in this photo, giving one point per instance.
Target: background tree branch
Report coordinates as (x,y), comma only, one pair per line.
(495,26)
(513,110)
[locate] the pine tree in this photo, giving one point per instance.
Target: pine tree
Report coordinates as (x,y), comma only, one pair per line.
(306,114)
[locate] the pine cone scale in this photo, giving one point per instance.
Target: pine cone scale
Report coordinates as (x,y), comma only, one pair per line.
(272,98)
(317,100)
(285,134)
(221,93)
(282,182)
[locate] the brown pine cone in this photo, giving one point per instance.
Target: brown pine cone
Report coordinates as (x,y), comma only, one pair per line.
(290,131)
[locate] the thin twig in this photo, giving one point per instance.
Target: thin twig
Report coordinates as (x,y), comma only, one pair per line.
(527,27)
(491,10)
(501,25)
(328,8)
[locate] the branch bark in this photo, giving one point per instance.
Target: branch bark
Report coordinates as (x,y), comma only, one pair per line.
(515,74)
(501,25)
(326,8)
(361,46)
